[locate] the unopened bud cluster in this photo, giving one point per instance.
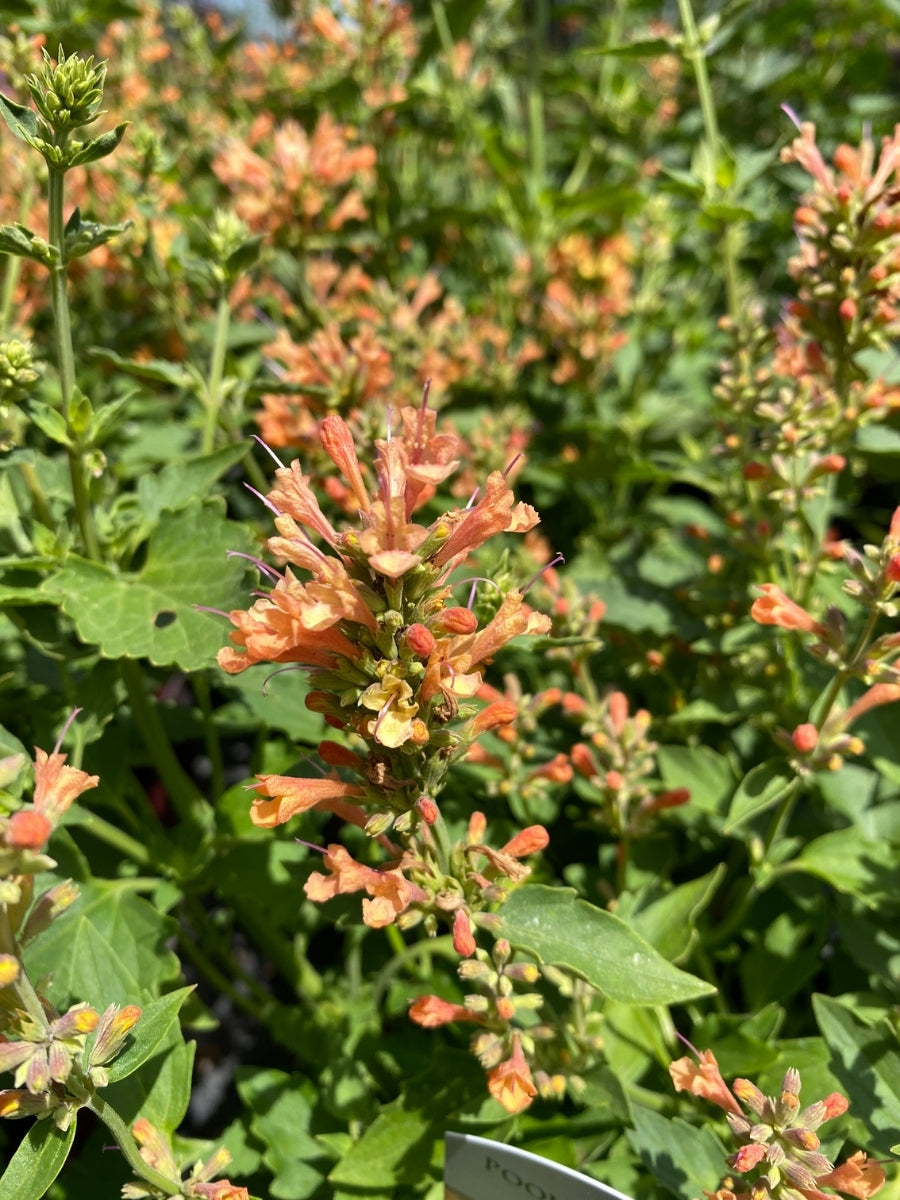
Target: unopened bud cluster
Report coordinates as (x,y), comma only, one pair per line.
(618,764)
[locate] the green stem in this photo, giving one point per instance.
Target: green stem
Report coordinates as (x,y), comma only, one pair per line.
(65,356)
(186,799)
(693,51)
(129,1147)
(22,986)
(36,492)
(200,683)
(441,840)
(113,836)
(442,945)
(14,265)
(216,375)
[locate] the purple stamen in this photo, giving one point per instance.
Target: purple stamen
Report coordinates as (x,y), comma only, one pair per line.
(473,497)
(789,112)
(512,464)
(216,612)
(383,713)
(281,671)
(259,496)
(65,729)
(689,1045)
(310,846)
(475,580)
(268,449)
(557,558)
(257,562)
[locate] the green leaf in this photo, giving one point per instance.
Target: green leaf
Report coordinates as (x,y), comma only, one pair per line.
(160,1089)
(643,48)
(684,1159)
(158,369)
(760,789)
(707,775)
(564,931)
(851,863)
(109,947)
(157,1018)
(866,1059)
(22,121)
(281,1119)
(98,147)
(669,923)
(177,484)
(151,614)
(49,421)
(37,1162)
(16,239)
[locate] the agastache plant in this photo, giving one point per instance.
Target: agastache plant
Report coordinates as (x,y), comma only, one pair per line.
(394,665)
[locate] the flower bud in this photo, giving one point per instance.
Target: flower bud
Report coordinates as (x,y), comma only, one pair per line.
(805,738)
(28,830)
(427,809)
(463,942)
(419,640)
(9,969)
(455,620)
(114,1026)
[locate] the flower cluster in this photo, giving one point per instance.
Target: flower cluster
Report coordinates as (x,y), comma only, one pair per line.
(157,1153)
(778,1151)
(54,1071)
(875,585)
(392,662)
(619,765)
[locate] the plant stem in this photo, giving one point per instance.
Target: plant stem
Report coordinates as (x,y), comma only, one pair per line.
(186,799)
(65,356)
(128,1146)
(113,836)
(200,683)
(693,51)
(21,987)
(216,374)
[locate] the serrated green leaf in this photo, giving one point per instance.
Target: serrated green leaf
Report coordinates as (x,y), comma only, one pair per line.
(37,1161)
(760,789)
(151,614)
(564,931)
(177,484)
(707,775)
(160,1089)
(109,947)
(281,1120)
(866,1059)
(157,1018)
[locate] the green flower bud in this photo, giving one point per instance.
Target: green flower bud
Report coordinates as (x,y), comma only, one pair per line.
(68,95)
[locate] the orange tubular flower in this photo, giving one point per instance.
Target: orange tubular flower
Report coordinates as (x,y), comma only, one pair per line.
(704,1080)
(392,892)
(56,785)
(283,797)
(511,1083)
(432,1011)
(773,607)
(856,1177)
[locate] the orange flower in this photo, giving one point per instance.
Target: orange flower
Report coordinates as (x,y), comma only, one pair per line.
(704,1080)
(392,892)
(856,1177)
(286,796)
(56,785)
(773,607)
(432,1011)
(510,1083)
